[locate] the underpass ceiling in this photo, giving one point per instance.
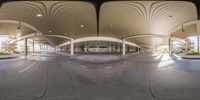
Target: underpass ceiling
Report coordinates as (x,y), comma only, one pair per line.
(74,19)
(186,31)
(117,19)
(126,18)
(12,30)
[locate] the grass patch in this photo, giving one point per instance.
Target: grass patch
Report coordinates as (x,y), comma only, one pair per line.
(16,52)
(4,53)
(194,53)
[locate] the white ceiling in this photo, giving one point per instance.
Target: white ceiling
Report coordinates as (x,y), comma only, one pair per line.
(118,19)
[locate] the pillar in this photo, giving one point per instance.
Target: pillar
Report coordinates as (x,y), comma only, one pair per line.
(170,46)
(25,47)
(128,49)
(198,32)
(138,49)
(186,46)
(197,42)
(86,47)
(156,48)
(76,48)
(109,47)
(33,45)
(123,47)
(72,47)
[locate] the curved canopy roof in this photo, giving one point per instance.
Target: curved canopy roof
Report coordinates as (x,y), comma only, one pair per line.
(119,19)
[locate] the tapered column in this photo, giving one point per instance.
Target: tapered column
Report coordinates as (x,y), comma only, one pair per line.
(123,47)
(25,47)
(72,47)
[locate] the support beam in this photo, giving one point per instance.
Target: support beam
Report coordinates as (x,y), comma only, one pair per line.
(123,47)
(178,39)
(72,47)
(25,47)
(100,38)
(144,35)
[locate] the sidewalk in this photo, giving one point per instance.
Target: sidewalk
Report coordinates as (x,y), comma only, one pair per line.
(9,56)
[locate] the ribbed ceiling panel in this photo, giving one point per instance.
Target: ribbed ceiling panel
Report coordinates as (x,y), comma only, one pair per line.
(124,18)
(117,18)
(61,17)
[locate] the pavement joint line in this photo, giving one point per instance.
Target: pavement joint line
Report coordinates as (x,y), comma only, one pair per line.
(25,69)
(109,67)
(82,66)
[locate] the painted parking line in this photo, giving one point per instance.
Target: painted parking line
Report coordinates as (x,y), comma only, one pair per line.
(25,69)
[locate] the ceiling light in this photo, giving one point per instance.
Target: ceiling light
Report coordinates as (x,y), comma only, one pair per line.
(82,26)
(39,15)
(170,16)
(65,33)
(130,33)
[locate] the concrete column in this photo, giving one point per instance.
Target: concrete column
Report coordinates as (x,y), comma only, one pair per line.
(76,48)
(25,47)
(198,33)
(109,47)
(72,47)
(138,49)
(156,48)
(198,43)
(40,47)
(119,48)
(170,46)
(55,49)
(86,46)
(123,47)
(128,49)
(186,46)
(33,45)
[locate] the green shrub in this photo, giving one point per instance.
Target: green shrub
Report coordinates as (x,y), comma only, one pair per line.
(194,53)
(4,53)
(16,52)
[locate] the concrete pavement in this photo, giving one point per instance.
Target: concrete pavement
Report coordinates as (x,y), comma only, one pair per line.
(145,76)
